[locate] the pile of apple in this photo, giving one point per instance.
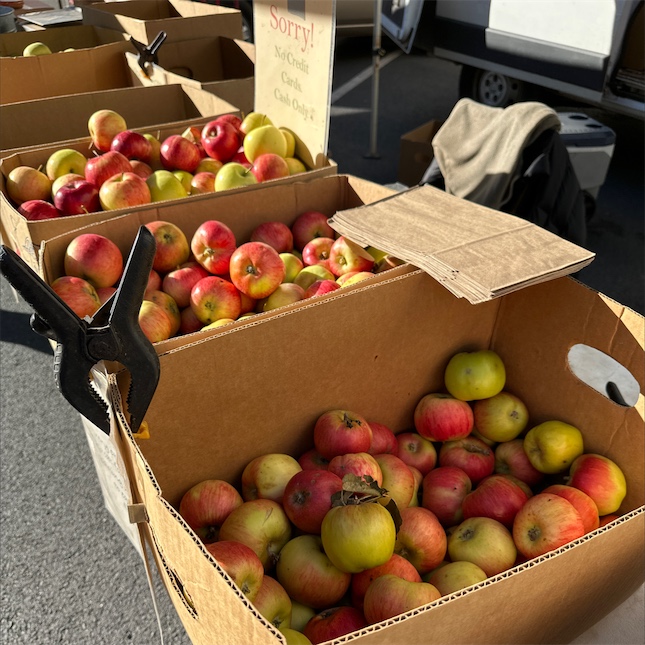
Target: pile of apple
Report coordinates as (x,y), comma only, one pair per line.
(132,169)
(211,280)
(369,524)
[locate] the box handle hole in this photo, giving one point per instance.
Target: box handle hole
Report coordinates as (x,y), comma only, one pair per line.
(604,374)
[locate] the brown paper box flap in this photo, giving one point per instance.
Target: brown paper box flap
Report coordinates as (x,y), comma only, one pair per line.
(476,252)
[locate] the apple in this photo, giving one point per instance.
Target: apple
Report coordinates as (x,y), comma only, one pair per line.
(348,279)
(471,376)
(64,179)
(472,455)
(544,523)
(172,246)
(234,120)
(317,251)
(441,417)
(356,463)
(221,322)
(309,225)
(484,542)
(338,432)
(193,134)
(455,576)
(310,274)
(313,460)
(124,191)
(396,565)
(94,258)
(585,506)
(300,616)
(552,446)
(528,491)
(291,141)
(262,525)
(207,504)
(155,151)
(164,185)
(253,120)
(285,294)
(390,596)
(292,266)
(606,519)
(212,245)
(307,498)
(103,126)
(202,183)
(383,440)
(179,283)
(241,564)
(346,255)
(155,322)
(600,478)
(37,209)
(189,322)
(358,536)
(178,153)
(78,294)
(36,49)
(510,458)
(269,166)
(100,169)
(25,183)
(141,168)
(168,304)
(212,298)
(418,480)
(295,166)
(262,140)
(132,145)
(154,281)
(398,479)
(501,417)
(266,476)
(275,234)
(220,140)
(256,269)
(105,293)
(207,164)
(65,161)
(320,288)
(495,496)
(334,623)
(443,491)
(233,175)
(273,602)
(421,539)
(308,575)
(416,451)
(240,157)
(77,197)
(185,178)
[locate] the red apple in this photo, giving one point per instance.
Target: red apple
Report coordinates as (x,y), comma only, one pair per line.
(94,258)
(333,623)
(78,294)
(202,183)
(77,197)
(320,288)
(124,191)
(398,479)
(585,506)
(418,480)
(601,478)
(443,491)
(338,432)
(269,166)
(472,455)
(496,497)
(256,269)
(273,602)
(307,498)
(212,245)
(141,168)
(206,505)
(189,323)
(275,234)
(155,323)
(421,539)
(309,225)
(416,451)
(154,281)
(240,157)
(25,183)
(178,153)
(132,145)
(180,282)
(64,179)
(511,458)
(441,417)
(168,304)
(317,251)
(213,298)
(101,168)
(220,140)
(37,209)
(345,256)
(383,440)
(313,460)
(356,463)
(232,119)
(172,245)
(105,293)
(103,126)
(241,564)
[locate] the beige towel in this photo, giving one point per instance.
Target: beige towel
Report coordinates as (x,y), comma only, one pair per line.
(479,148)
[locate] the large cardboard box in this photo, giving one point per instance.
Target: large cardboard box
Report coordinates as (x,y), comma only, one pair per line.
(179,19)
(97,63)
(416,153)
(223,66)
(397,335)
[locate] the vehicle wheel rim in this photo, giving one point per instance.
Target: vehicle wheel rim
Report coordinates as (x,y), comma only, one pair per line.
(496,89)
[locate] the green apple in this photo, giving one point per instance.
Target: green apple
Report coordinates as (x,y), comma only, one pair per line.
(164,185)
(266,138)
(454,576)
(295,165)
(36,49)
(553,446)
(185,178)
(233,175)
(309,274)
(285,294)
(65,161)
(254,120)
(300,615)
(293,636)
(471,376)
(292,264)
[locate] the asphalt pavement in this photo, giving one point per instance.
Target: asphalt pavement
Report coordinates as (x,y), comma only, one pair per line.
(69,575)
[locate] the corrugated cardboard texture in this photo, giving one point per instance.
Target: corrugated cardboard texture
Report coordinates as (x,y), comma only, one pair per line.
(180,19)
(219,65)
(475,252)
(416,153)
(97,63)
(224,400)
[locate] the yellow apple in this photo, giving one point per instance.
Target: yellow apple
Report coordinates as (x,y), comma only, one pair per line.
(36,49)
(164,185)
(553,446)
(266,138)
(291,141)
(295,165)
(254,120)
(65,161)
(185,178)
(471,376)
(501,417)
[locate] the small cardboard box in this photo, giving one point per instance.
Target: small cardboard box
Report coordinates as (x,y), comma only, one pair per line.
(223,66)
(179,19)
(416,153)
(97,63)
(398,334)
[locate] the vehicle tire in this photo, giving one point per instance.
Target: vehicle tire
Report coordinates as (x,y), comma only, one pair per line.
(490,88)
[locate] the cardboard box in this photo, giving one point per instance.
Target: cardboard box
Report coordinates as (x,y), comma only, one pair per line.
(180,19)
(398,335)
(97,63)
(416,153)
(223,66)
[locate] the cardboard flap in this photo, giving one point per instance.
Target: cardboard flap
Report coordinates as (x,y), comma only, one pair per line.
(476,252)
